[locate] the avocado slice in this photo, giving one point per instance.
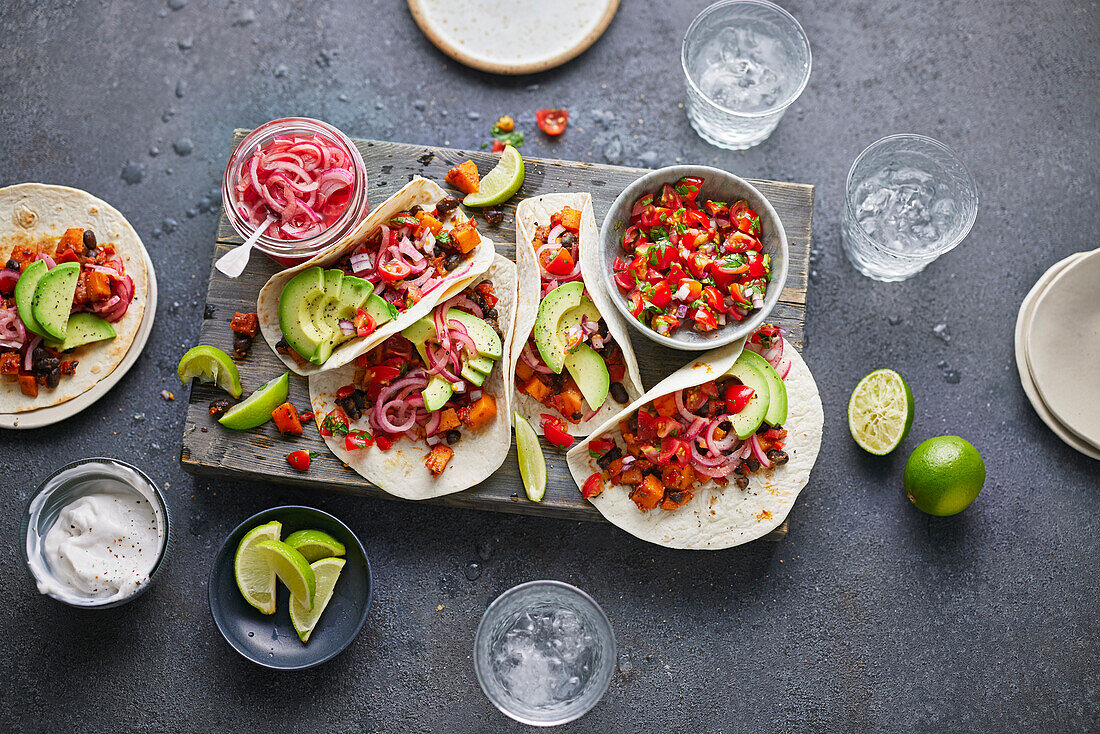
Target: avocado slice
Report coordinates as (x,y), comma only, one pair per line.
(484,365)
(749,419)
(53,299)
(777,402)
(574,316)
(472,376)
(485,338)
(590,373)
(350,295)
(437,393)
(85,328)
(24,294)
(548,337)
(420,332)
(379,309)
(295,303)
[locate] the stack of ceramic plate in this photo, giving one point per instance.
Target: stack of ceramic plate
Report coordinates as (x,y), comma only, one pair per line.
(1058,350)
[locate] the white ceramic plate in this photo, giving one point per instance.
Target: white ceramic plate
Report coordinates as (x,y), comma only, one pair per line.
(513,36)
(1023,323)
(1063,346)
(56,413)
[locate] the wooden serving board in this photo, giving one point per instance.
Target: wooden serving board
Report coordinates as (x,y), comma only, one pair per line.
(260,454)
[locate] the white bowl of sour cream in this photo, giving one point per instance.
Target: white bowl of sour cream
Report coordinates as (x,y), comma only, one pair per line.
(95,532)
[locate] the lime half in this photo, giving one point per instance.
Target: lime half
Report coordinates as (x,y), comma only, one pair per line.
(255,410)
(944,475)
(315,544)
(292,568)
(210,364)
(255,578)
(501,183)
(326,571)
(532,465)
(880,412)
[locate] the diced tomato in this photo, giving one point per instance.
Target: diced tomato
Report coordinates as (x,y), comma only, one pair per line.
(357,440)
(665,323)
(631,237)
(713,298)
(623,279)
(688,187)
(756,268)
(741,242)
(305,417)
(746,220)
(694,290)
(600,446)
(364,323)
(593,486)
(300,459)
(698,264)
(637,304)
(558,263)
(661,296)
(555,431)
(395,271)
(498,146)
(716,208)
(335,422)
(345,392)
(696,218)
(667,426)
(552,122)
(485,290)
(705,320)
(616,372)
(647,425)
(384,442)
(737,397)
(669,198)
(662,257)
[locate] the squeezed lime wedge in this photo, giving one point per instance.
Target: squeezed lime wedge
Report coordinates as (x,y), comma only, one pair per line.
(501,182)
(255,410)
(880,412)
(292,568)
(255,577)
(210,364)
(532,465)
(315,544)
(326,571)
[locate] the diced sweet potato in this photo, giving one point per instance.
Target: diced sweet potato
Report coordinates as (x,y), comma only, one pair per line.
(524,371)
(73,239)
(665,405)
(536,388)
(437,459)
(465,236)
(448,419)
(569,404)
(648,494)
(571,219)
(631,477)
(680,478)
(464,177)
(286,420)
(428,222)
(28,386)
(481,412)
(9,363)
(98,286)
(24,256)
(245,323)
(674,499)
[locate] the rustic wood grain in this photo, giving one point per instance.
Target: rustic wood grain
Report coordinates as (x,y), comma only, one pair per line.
(259,455)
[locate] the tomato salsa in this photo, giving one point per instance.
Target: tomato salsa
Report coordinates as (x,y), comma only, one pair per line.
(691,264)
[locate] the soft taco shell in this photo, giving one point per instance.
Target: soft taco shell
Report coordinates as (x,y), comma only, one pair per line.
(419,191)
(718,517)
(36,215)
(401,471)
(530,214)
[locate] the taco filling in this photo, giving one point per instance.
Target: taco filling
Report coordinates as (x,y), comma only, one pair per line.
(52,304)
(723,430)
(570,363)
(426,383)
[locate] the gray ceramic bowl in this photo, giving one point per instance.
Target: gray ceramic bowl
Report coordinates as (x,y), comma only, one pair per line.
(718,185)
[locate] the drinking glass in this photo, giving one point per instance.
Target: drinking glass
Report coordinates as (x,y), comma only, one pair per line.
(909,199)
(544,653)
(745,62)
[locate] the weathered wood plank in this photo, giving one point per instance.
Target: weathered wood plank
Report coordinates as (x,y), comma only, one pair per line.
(260,454)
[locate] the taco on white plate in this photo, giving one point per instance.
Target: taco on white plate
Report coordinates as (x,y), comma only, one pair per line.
(713,456)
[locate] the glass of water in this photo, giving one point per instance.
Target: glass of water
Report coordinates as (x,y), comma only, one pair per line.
(544,653)
(746,62)
(909,199)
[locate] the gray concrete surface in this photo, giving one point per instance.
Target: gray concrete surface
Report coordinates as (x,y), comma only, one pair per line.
(870,616)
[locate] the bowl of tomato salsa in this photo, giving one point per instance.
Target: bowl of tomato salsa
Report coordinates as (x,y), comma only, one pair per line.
(694,257)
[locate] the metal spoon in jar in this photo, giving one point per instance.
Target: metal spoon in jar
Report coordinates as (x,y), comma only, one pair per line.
(233,262)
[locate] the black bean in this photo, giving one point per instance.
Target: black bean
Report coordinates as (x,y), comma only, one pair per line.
(47,364)
(491,313)
(452,261)
(778,457)
(218,407)
(726,426)
(612,453)
(241,344)
(753,464)
(12,264)
(282,346)
(557,383)
(446,204)
(208,312)
(89,239)
(493,216)
(742,482)
(360,399)
(414,210)
(453,435)
(618,393)
(568,239)
(740,469)
(53,378)
(39,354)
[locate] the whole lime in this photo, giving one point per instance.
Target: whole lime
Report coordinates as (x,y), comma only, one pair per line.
(944,475)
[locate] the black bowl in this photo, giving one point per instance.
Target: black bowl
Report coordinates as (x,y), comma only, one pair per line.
(270,640)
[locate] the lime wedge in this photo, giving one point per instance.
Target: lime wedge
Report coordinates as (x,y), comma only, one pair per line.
(532,465)
(326,571)
(255,410)
(503,181)
(315,544)
(880,412)
(210,364)
(292,568)
(255,579)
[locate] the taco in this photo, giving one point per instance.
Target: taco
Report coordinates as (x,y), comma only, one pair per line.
(73,288)
(574,364)
(422,415)
(414,251)
(714,455)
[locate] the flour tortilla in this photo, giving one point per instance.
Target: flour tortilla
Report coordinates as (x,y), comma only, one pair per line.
(717,517)
(530,214)
(419,191)
(401,471)
(36,215)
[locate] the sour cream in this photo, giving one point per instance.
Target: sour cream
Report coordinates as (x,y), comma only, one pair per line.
(102,546)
